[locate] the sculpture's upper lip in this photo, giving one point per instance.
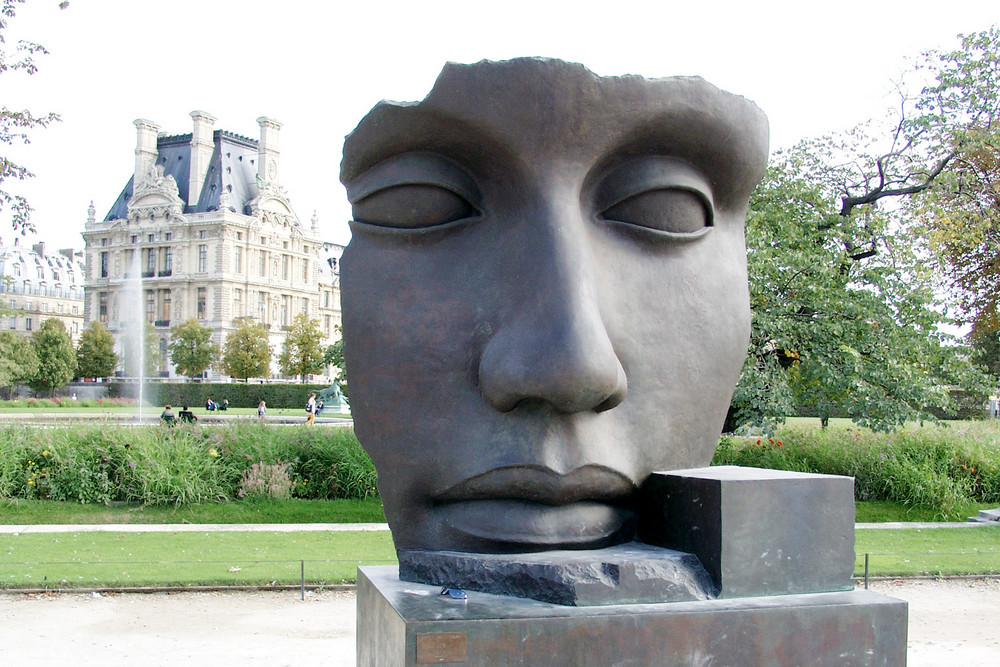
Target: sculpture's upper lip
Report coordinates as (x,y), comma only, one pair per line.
(539,484)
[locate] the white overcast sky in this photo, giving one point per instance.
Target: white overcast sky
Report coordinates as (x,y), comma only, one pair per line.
(318,67)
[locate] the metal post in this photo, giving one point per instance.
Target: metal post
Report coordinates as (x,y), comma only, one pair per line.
(866,571)
(302,580)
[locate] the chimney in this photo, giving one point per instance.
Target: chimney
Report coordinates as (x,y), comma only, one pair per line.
(267,157)
(39,249)
(145,148)
(202,146)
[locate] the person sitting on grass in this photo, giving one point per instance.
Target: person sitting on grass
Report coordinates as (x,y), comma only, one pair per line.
(210,404)
(168,416)
(224,405)
(186,415)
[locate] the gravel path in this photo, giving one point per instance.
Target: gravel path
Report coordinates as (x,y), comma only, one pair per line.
(951,623)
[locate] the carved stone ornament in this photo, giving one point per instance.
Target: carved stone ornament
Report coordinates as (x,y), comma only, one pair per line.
(271,205)
(156,196)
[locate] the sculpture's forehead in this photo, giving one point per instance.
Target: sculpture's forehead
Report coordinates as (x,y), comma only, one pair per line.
(543,110)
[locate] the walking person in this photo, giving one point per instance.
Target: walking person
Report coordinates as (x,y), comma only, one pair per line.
(261,411)
(311,409)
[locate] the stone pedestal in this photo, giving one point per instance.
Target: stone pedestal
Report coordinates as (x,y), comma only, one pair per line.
(401,623)
(737,566)
(756,531)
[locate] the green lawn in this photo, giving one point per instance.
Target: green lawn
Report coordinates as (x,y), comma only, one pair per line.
(187,559)
(242,558)
(242,511)
(934,551)
(881,511)
(317,511)
(199,411)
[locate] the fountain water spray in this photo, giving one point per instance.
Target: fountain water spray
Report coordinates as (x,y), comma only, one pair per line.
(132,301)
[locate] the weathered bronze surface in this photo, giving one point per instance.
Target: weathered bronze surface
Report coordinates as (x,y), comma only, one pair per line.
(545,297)
(756,531)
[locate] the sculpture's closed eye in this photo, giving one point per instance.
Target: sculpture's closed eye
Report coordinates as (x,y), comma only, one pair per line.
(673,211)
(413,206)
(661,197)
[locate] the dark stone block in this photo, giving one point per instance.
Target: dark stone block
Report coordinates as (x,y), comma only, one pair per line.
(401,623)
(756,531)
(628,573)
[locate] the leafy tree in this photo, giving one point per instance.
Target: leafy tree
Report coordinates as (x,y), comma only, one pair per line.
(957,120)
(832,330)
(301,353)
(18,361)
(192,349)
(985,343)
(131,351)
(246,352)
(333,355)
(844,307)
(56,357)
(15,124)
(95,355)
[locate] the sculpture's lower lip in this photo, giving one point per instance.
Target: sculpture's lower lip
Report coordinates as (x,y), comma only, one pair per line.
(505,525)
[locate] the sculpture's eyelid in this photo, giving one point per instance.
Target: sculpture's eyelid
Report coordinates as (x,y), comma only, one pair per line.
(655,173)
(414,169)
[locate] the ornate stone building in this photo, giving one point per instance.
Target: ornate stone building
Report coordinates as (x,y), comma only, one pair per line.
(37,285)
(204,230)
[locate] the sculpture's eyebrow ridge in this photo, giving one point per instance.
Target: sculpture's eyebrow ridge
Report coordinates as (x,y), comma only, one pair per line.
(419,168)
(391,128)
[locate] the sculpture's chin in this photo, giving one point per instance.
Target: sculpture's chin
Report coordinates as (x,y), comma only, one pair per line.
(506,526)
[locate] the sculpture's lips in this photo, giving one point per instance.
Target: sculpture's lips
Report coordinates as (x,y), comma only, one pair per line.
(538,484)
(529,508)
(516,525)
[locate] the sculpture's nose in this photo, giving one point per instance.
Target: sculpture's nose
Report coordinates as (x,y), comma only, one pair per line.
(554,347)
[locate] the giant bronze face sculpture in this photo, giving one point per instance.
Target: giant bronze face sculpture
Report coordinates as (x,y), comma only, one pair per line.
(544,298)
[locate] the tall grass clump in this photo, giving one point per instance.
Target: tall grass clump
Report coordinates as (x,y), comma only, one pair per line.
(181,464)
(937,466)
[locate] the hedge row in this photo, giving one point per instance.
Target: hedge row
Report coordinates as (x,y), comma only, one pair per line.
(935,466)
(183,464)
(239,395)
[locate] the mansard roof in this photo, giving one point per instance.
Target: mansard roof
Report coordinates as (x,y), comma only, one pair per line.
(233,169)
(20,265)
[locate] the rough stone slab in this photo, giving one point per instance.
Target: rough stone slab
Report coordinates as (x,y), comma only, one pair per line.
(986,516)
(756,531)
(627,573)
(843,628)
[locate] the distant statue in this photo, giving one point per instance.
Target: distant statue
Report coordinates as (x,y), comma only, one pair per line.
(544,297)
